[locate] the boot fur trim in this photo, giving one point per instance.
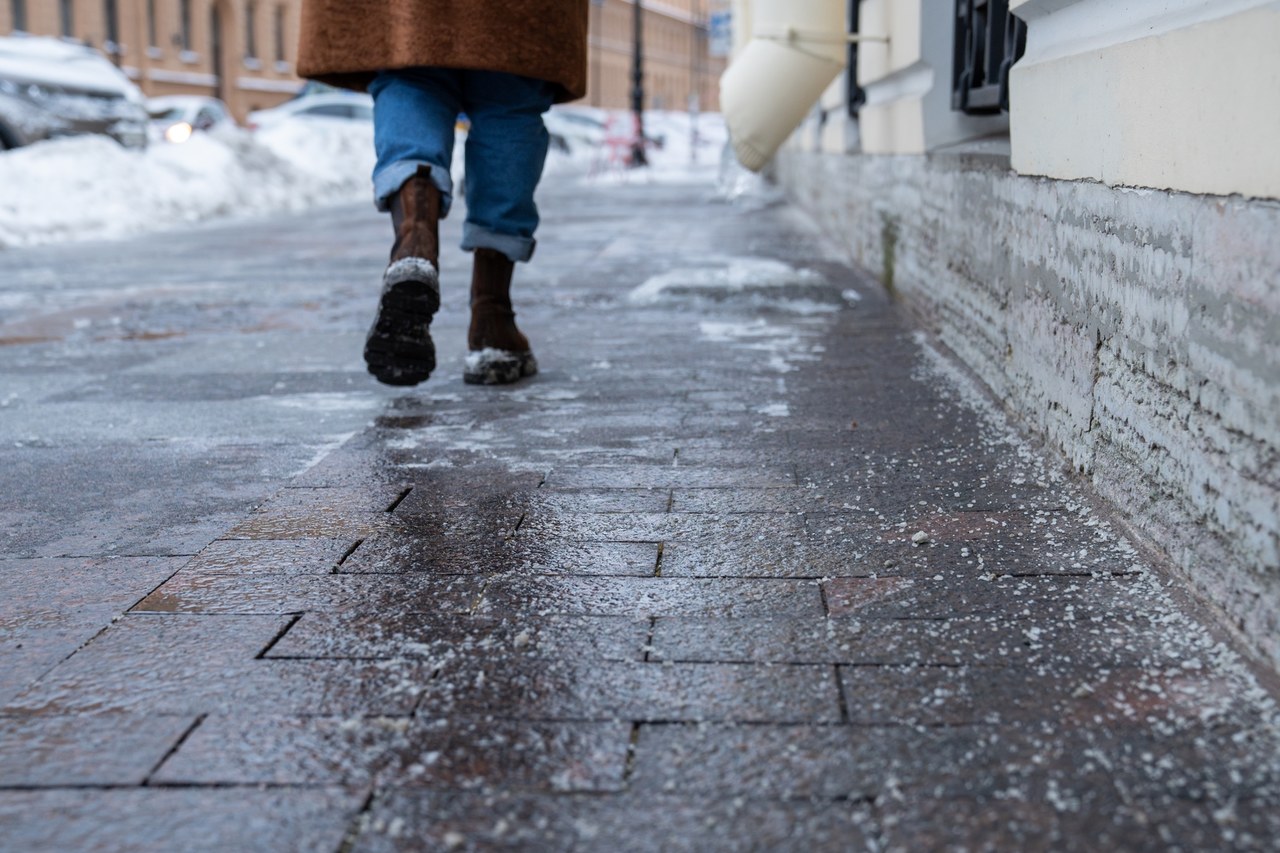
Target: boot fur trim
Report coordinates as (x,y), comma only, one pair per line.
(491,366)
(412,269)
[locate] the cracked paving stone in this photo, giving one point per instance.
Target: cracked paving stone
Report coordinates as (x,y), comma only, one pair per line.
(457,753)
(435,636)
(409,820)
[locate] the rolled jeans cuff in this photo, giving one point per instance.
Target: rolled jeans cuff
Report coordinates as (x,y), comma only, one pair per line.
(389,181)
(514,246)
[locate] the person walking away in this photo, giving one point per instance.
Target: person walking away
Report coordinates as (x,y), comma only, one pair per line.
(501,62)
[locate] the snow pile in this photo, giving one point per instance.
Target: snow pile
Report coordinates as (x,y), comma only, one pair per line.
(89,188)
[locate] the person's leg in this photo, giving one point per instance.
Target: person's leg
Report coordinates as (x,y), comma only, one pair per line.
(414,115)
(506,150)
(415,111)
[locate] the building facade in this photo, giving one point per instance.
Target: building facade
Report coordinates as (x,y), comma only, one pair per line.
(1081,200)
(679,70)
(243,51)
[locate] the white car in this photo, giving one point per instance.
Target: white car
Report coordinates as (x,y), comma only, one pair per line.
(345,106)
(174,118)
(51,88)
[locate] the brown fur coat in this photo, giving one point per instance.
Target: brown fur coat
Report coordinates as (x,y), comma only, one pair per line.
(345,42)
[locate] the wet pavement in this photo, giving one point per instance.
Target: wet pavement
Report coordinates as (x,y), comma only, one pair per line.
(750,565)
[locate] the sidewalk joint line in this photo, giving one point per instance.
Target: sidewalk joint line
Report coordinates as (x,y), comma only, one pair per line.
(844,706)
(399,499)
(279,635)
(182,738)
(345,554)
(629,768)
(357,824)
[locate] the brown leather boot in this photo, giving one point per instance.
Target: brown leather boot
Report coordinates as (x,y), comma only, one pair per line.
(399,349)
(498,352)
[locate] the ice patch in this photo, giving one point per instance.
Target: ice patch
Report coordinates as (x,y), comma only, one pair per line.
(775,410)
(736,276)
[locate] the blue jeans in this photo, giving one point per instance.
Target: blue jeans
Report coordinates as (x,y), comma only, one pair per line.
(415,111)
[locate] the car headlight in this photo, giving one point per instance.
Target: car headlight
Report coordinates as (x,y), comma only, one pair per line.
(178,133)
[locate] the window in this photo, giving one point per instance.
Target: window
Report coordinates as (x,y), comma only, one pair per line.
(250,30)
(19,14)
(988,40)
(279,34)
(184,20)
(151,23)
(66,21)
(855,95)
(112,15)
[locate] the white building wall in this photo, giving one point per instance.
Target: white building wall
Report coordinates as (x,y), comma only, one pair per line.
(1169,94)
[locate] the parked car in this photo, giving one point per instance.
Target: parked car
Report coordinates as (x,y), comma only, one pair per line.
(51,88)
(348,106)
(575,127)
(174,118)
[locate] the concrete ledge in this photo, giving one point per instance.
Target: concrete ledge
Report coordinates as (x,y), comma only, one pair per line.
(1134,329)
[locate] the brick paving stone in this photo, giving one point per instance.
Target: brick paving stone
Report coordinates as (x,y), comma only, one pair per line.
(573,690)
(621,596)
(964,640)
(936,695)
(197,664)
(431,635)
(659,527)
(411,820)
(941,597)
(52,606)
(1010,824)
(454,753)
(269,556)
(554,502)
(258,594)
(85,750)
(667,477)
(666,595)
(398,554)
(144,820)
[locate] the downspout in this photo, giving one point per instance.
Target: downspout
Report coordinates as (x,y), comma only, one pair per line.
(797,47)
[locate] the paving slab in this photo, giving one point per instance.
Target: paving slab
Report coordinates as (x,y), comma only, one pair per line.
(744,567)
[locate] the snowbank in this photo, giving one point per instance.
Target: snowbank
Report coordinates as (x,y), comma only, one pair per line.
(89,188)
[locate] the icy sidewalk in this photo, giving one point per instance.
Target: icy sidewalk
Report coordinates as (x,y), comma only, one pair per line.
(748,566)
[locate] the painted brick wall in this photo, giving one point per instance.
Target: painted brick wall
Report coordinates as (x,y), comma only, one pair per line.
(1138,331)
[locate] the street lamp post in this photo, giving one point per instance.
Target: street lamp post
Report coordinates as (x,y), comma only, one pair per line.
(638,157)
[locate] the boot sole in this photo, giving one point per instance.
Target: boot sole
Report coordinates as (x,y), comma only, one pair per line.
(398,349)
(498,367)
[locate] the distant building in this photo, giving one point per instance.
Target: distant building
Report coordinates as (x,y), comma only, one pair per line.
(243,51)
(677,59)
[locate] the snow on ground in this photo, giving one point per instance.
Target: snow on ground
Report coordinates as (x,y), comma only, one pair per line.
(89,188)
